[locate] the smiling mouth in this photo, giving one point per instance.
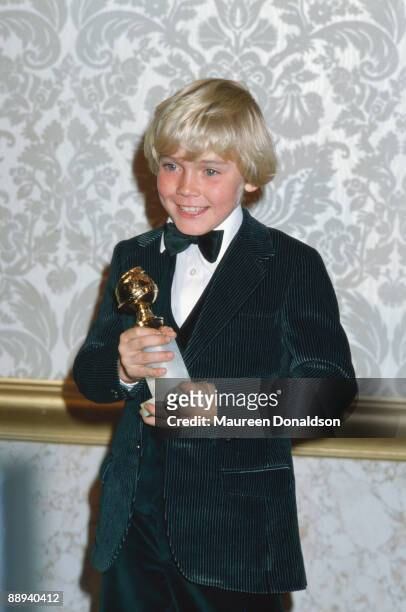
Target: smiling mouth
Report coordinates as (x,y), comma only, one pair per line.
(192,210)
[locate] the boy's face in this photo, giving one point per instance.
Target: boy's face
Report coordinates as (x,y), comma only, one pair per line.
(198,195)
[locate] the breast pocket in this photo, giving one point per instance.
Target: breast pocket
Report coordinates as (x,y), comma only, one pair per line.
(261,482)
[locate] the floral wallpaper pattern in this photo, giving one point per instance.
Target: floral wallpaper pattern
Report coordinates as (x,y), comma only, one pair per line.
(78,83)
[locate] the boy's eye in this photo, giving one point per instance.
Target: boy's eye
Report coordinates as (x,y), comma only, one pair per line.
(169,166)
(211,172)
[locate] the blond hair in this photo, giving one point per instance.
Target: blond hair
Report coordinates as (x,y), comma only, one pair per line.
(217,115)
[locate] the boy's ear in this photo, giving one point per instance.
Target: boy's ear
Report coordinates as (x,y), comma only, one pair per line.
(250,188)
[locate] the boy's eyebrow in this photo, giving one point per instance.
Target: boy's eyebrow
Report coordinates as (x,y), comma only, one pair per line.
(214,161)
(200,161)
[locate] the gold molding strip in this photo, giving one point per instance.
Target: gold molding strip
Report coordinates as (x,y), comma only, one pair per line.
(385,449)
(54,411)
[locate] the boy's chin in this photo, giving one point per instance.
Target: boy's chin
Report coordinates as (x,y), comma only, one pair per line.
(194,231)
(193,227)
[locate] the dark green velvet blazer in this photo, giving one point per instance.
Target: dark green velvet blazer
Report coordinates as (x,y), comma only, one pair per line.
(229,504)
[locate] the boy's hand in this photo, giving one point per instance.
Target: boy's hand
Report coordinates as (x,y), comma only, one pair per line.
(134,362)
(207,408)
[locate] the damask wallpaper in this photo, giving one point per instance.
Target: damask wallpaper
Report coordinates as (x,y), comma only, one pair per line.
(351,516)
(78,83)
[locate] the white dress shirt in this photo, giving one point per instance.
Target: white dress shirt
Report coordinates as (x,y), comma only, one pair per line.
(193,272)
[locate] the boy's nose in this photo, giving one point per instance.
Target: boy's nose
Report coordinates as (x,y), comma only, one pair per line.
(187,185)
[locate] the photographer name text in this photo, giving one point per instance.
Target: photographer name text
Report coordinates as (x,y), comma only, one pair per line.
(275,421)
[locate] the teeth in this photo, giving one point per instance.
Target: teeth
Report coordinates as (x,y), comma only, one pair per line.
(190,209)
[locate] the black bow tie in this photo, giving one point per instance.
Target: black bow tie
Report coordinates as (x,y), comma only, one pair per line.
(209,244)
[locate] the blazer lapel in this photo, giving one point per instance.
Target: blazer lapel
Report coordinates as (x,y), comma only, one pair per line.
(238,274)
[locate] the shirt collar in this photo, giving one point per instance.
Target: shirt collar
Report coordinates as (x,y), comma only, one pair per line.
(230,227)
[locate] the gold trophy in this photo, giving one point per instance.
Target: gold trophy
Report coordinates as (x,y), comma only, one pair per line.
(135,292)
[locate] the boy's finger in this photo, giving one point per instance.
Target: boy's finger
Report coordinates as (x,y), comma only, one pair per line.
(147,409)
(147,341)
(147,412)
(146,336)
(135,333)
(153,372)
(148,358)
(165,329)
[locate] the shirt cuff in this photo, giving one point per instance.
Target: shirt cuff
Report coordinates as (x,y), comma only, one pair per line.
(129,386)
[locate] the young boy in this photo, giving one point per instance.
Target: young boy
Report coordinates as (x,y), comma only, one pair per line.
(201,524)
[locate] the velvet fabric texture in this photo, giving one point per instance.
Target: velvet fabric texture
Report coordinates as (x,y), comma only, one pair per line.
(230,508)
(145,578)
(209,244)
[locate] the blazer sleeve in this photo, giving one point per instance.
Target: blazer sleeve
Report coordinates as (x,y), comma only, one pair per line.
(312,332)
(95,369)
(317,343)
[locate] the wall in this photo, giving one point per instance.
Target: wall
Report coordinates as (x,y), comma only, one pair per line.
(78,82)
(351,516)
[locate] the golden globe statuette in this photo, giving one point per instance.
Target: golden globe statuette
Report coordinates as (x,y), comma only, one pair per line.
(135,292)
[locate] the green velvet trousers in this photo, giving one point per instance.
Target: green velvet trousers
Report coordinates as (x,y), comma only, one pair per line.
(144,578)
